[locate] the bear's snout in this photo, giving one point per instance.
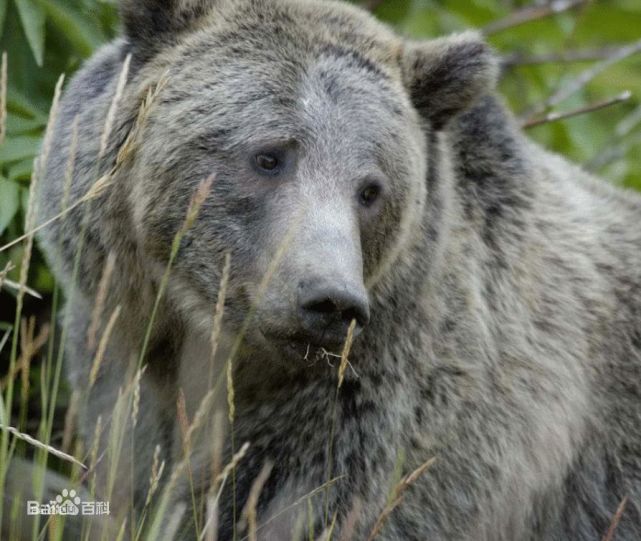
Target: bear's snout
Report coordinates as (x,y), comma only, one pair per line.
(326,309)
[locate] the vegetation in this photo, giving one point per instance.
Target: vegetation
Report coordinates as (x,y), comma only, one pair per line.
(572,74)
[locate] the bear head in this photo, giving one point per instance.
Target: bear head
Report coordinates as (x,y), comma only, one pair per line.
(312,119)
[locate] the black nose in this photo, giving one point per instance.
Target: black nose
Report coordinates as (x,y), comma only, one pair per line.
(327,310)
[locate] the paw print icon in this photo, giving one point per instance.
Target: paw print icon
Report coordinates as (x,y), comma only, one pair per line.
(68,502)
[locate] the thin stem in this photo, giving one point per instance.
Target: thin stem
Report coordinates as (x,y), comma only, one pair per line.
(531,13)
(586,76)
(556,116)
(562,57)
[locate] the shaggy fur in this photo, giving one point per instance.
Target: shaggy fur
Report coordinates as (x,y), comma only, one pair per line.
(504,283)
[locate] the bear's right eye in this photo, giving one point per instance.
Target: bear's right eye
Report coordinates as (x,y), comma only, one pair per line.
(267,163)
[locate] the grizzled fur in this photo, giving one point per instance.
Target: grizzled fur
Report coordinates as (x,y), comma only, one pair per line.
(504,283)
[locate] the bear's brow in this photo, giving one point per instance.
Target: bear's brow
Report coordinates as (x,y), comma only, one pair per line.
(359,60)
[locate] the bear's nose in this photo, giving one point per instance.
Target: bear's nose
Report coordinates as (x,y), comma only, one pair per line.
(327,310)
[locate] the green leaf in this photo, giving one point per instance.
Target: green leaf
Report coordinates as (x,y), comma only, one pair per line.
(32,15)
(476,13)
(20,125)
(83,34)
(3,14)
(21,170)
(19,148)
(9,202)
(44,280)
(25,195)
(19,103)
(394,12)
(607,24)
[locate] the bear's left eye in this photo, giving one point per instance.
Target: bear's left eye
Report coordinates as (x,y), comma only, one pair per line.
(267,163)
(369,194)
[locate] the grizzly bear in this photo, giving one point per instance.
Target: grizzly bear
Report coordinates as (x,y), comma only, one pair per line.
(394,274)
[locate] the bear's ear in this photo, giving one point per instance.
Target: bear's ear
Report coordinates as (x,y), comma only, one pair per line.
(445,76)
(150,23)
